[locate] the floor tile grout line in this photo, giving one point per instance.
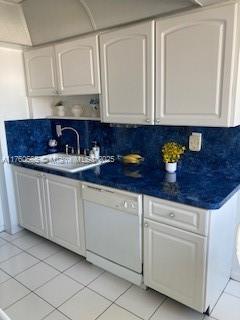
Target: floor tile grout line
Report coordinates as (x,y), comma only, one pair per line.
(43,260)
(21,271)
(216,302)
(14,234)
(42,285)
(164,300)
(53,312)
(134,314)
(60,272)
(12,304)
(112,302)
(104,311)
(33,292)
(64,272)
(219,298)
(61,303)
(11,256)
(158,306)
(131,285)
(231,294)
(85,285)
(21,250)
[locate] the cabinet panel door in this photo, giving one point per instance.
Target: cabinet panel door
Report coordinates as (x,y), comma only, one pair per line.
(30,198)
(40,71)
(65,213)
(194,67)
(78,66)
(127,62)
(174,263)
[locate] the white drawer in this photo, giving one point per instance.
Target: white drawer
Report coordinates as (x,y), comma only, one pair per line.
(176,215)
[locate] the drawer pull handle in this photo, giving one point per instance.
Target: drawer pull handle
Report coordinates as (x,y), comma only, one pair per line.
(146,225)
(172,215)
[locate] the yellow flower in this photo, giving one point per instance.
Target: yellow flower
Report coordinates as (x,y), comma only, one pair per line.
(172,152)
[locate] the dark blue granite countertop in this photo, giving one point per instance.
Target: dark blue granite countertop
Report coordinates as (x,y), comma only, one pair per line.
(205,188)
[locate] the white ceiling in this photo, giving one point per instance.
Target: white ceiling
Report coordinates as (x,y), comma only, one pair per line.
(51,20)
(13,1)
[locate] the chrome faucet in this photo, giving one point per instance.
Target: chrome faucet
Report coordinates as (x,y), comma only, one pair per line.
(60,130)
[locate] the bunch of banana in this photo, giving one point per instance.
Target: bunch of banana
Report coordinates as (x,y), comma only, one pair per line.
(132,158)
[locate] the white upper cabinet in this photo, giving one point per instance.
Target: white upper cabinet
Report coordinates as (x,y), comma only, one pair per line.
(41,72)
(194,67)
(78,66)
(127,74)
(69,68)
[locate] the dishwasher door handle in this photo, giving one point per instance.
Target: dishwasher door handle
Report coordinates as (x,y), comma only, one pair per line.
(97,189)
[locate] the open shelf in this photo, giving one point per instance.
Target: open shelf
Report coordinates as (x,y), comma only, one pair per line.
(74,118)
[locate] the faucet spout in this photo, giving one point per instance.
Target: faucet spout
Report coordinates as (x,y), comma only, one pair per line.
(60,130)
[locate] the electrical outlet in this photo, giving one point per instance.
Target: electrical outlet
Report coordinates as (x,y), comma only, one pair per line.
(195,141)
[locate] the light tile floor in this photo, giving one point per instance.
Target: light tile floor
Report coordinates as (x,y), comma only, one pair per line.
(42,281)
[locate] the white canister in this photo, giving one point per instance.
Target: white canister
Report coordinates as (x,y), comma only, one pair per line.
(60,111)
(77,111)
(171,167)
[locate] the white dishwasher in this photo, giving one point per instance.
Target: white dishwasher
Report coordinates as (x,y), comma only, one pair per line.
(113,223)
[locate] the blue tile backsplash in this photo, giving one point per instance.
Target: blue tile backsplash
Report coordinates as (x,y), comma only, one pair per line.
(205,179)
(28,137)
(221,146)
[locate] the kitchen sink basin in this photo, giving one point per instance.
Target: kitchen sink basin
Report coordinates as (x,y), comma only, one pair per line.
(67,163)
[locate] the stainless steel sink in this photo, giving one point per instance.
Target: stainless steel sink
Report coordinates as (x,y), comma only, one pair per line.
(67,163)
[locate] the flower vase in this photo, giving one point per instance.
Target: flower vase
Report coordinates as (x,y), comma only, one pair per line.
(171,167)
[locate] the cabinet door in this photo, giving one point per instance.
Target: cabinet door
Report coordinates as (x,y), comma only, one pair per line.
(78,66)
(174,263)
(30,200)
(40,72)
(65,213)
(127,74)
(194,67)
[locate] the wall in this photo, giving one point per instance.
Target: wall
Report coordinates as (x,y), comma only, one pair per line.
(13,105)
(13,27)
(236,262)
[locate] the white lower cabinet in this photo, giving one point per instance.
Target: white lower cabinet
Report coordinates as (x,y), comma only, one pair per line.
(51,206)
(65,212)
(30,200)
(188,251)
(175,263)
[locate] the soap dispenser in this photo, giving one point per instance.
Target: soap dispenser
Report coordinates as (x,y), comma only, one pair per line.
(96,150)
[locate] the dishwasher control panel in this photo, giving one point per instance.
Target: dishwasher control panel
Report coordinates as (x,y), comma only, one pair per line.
(117,199)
